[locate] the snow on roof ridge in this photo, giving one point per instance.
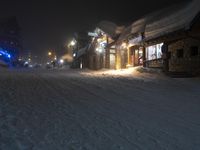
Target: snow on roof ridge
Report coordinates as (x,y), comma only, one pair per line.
(140,24)
(180,19)
(110,28)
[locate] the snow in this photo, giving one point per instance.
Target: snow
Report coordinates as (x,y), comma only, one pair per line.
(173,21)
(110,28)
(164,21)
(82,51)
(98,110)
(125,34)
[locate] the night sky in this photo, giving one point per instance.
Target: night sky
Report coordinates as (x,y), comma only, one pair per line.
(49,24)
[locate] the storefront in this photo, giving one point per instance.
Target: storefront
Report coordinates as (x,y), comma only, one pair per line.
(112,57)
(103,51)
(135,51)
(136,56)
(154,55)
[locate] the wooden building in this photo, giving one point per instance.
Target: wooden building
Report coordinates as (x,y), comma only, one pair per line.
(172,40)
(102,51)
(168,39)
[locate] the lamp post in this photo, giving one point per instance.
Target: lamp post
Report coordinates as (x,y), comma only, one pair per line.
(72,46)
(49,53)
(52,57)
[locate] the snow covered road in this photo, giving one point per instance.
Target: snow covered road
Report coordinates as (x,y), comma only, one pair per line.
(105,110)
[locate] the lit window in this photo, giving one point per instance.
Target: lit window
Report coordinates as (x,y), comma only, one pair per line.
(159,50)
(154,51)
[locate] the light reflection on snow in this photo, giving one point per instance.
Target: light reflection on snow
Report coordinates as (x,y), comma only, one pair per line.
(108,72)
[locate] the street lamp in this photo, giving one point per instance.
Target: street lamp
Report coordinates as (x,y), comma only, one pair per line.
(61,61)
(72,43)
(49,53)
(74,54)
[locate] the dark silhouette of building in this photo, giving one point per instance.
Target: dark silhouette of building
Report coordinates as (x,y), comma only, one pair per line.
(10,40)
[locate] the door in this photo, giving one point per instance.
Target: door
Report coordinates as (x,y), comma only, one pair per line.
(112,61)
(136,57)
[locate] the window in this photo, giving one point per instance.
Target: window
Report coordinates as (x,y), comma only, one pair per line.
(154,52)
(179,53)
(194,51)
(159,50)
(151,52)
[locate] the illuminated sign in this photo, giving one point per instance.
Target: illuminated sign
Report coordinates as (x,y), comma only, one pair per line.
(92,34)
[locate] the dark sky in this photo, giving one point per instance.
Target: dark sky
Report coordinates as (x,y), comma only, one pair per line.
(49,24)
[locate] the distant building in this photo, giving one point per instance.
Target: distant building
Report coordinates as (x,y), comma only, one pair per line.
(10,40)
(78,48)
(102,50)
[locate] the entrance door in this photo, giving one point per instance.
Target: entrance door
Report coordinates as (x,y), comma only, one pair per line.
(112,61)
(136,57)
(136,53)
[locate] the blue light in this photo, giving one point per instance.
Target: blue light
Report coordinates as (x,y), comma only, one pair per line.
(5,54)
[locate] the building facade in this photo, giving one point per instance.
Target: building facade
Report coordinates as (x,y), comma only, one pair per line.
(103,51)
(167,39)
(172,41)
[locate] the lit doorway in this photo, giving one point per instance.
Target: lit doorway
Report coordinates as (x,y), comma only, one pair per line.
(136,55)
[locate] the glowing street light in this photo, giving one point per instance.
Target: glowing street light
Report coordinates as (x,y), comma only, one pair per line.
(72,43)
(49,53)
(61,61)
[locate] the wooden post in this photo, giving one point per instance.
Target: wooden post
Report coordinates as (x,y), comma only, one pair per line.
(107,57)
(144,56)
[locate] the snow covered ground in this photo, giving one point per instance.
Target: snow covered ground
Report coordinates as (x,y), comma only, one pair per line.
(103,110)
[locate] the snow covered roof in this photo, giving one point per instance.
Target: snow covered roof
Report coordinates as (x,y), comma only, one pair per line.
(139,26)
(172,19)
(110,28)
(164,21)
(82,51)
(125,33)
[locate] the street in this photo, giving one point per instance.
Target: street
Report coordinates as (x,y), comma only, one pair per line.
(103,110)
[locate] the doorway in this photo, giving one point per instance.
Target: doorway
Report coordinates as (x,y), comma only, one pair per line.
(112,61)
(137,55)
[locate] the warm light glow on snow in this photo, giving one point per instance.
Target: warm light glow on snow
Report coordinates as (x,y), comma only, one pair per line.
(122,72)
